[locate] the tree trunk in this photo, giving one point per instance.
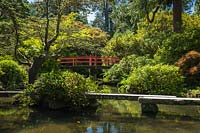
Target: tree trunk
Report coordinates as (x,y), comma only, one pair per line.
(177,15)
(36,66)
(106,16)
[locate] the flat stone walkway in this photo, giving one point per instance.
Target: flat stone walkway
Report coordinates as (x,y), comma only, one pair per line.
(170,100)
(133,97)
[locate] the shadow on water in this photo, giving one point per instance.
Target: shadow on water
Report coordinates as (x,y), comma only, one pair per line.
(111,117)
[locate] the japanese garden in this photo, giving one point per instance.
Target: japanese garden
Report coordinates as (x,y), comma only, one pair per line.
(76,66)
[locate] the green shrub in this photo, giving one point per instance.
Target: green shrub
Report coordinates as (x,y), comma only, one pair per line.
(178,44)
(123,44)
(12,75)
(50,65)
(194,92)
(66,87)
(120,71)
(6,57)
(158,79)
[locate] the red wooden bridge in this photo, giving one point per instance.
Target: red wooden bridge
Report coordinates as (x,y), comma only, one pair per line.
(88,61)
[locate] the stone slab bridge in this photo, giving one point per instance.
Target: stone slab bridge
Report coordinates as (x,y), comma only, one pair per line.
(148,102)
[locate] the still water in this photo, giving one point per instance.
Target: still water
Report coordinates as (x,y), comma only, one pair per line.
(112,117)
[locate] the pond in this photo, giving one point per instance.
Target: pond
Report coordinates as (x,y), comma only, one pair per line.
(112,117)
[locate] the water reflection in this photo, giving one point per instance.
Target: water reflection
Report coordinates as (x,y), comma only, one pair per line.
(111,117)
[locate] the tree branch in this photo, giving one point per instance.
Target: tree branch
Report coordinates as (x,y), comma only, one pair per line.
(15,25)
(53,39)
(46,47)
(56,31)
(154,12)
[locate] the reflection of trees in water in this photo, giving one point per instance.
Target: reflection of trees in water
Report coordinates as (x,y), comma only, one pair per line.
(121,107)
(113,116)
(132,110)
(11,117)
(189,110)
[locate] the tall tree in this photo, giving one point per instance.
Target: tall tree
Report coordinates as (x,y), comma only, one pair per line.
(10,13)
(197,7)
(177,15)
(177,12)
(103,20)
(78,6)
(47,29)
(132,11)
(47,39)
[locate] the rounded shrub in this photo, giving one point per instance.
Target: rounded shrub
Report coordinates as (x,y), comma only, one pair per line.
(158,79)
(120,71)
(63,89)
(12,75)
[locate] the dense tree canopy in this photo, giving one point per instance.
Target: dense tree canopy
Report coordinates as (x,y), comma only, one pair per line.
(10,13)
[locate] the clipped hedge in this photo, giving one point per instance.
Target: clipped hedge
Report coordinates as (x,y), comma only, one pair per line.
(158,79)
(12,75)
(64,88)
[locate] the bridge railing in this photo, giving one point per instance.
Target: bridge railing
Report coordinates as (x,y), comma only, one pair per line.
(89,61)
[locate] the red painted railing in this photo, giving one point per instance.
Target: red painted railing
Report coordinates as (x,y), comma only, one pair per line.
(89,61)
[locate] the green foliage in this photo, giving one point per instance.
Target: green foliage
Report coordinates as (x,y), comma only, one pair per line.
(123,44)
(6,57)
(122,14)
(146,41)
(156,38)
(50,65)
(194,92)
(12,11)
(78,38)
(10,8)
(158,79)
(6,37)
(120,71)
(12,76)
(65,87)
(30,96)
(75,38)
(177,45)
(197,7)
(105,89)
(128,13)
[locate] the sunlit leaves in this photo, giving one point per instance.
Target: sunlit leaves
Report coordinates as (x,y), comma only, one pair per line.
(32,47)
(73,35)
(158,79)
(62,87)
(84,38)
(122,70)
